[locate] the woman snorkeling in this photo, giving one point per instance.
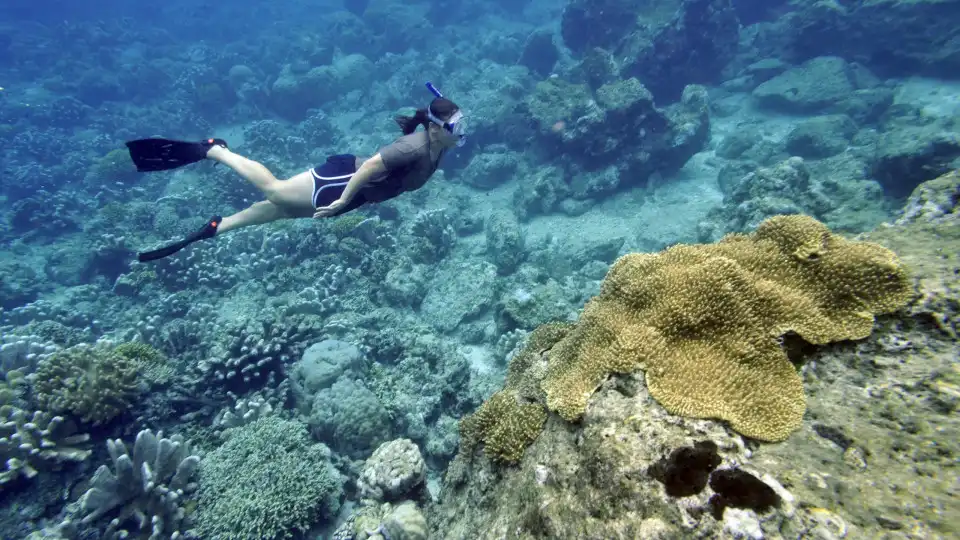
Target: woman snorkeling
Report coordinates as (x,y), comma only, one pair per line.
(345,182)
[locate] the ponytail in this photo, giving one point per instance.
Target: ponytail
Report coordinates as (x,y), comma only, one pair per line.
(408,124)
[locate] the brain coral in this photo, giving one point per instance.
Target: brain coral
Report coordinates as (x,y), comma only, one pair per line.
(705,322)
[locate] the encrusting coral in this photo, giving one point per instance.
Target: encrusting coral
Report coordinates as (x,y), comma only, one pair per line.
(707,325)
(705,322)
(513,417)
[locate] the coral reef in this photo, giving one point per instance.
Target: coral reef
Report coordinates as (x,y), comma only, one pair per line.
(597,128)
(882,416)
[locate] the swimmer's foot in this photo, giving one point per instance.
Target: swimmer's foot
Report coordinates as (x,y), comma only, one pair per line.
(217,148)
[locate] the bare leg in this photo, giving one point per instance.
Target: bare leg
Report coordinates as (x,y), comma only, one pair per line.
(257,214)
(293,194)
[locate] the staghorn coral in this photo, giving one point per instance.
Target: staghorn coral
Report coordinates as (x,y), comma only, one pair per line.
(294,480)
(146,487)
(705,322)
(30,442)
(95,383)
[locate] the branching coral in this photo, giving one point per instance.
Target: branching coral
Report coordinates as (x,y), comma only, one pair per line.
(145,488)
(152,363)
(249,355)
(294,482)
(30,443)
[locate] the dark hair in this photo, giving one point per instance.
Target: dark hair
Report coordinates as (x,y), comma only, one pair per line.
(442,108)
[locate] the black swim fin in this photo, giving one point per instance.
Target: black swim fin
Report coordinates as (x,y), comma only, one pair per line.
(164,154)
(209,230)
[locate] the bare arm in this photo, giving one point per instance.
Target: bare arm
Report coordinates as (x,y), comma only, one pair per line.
(369,169)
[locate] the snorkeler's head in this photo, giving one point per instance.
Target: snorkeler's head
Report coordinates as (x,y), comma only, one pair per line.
(442,115)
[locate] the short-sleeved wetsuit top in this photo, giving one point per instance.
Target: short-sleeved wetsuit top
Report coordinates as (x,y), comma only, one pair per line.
(408,164)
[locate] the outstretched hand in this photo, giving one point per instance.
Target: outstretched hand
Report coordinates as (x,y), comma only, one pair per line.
(327,211)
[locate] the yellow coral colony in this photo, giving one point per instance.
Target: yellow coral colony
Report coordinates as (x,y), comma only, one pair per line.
(513,417)
(705,322)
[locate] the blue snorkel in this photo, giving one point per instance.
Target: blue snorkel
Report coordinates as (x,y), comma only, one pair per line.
(456,127)
(433,89)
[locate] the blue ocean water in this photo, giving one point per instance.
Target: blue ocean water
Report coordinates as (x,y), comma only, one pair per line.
(454,358)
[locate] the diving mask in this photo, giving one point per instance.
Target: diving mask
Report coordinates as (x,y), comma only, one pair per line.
(456,125)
